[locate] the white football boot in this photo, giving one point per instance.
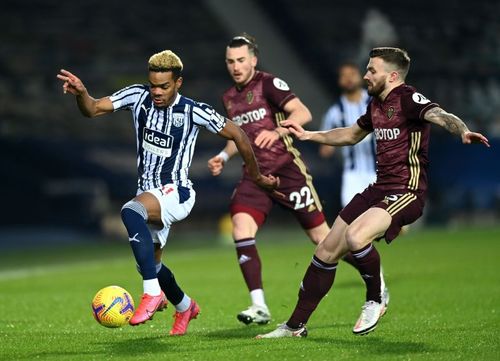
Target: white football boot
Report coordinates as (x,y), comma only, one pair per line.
(384,292)
(368,320)
(255,314)
(385,300)
(284,331)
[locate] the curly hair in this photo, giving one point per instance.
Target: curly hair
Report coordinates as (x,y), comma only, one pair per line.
(165,61)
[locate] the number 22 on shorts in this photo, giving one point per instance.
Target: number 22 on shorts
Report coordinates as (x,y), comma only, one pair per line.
(302,198)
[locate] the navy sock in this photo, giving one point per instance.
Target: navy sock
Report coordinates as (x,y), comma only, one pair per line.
(134,218)
(169,286)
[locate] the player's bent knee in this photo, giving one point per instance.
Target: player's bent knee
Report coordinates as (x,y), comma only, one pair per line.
(354,238)
(244,226)
(133,207)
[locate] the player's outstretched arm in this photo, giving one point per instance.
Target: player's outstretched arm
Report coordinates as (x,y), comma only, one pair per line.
(337,136)
(88,106)
(296,111)
(216,164)
(454,125)
(234,133)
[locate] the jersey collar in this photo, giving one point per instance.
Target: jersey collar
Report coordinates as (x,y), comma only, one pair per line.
(176,101)
(240,89)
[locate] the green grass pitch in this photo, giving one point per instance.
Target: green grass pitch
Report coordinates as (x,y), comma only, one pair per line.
(444,284)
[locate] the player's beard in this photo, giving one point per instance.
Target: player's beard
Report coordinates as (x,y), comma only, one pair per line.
(376,90)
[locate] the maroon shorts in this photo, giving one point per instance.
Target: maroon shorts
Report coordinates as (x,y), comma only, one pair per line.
(300,197)
(405,207)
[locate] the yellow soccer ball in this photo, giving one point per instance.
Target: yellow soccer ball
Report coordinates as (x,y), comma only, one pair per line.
(113,306)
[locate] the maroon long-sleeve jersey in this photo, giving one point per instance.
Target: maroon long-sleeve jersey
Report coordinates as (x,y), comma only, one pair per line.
(402,137)
(259,106)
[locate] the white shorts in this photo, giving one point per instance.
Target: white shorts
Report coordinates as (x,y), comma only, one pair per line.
(354,182)
(172,210)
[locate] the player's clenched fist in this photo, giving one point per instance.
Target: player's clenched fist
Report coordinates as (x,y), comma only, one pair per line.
(215,165)
(71,83)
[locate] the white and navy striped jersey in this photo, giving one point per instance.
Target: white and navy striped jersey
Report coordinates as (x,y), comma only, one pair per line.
(360,157)
(165,137)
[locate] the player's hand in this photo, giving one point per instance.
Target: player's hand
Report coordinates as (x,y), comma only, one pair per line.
(72,83)
(295,128)
(266,138)
(269,183)
(471,137)
(215,165)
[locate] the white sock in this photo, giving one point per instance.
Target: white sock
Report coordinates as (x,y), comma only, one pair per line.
(151,287)
(184,304)
(257,297)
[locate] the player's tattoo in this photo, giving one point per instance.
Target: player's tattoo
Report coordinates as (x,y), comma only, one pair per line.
(448,121)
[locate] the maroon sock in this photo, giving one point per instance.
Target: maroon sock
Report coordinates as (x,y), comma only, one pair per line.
(349,258)
(316,283)
(249,261)
(368,261)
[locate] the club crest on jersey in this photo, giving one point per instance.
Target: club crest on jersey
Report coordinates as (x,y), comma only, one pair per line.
(250,97)
(178,119)
(390,112)
(157,142)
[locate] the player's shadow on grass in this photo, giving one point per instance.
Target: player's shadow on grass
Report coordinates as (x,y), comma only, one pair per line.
(377,345)
(144,345)
(242,332)
(249,332)
(165,345)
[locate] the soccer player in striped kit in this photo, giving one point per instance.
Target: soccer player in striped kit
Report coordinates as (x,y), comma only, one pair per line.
(400,119)
(359,160)
(167,125)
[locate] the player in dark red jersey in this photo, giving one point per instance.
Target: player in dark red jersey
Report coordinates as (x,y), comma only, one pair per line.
(257,103)
(400,118)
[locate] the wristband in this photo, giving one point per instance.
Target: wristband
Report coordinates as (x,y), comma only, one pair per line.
(224,156)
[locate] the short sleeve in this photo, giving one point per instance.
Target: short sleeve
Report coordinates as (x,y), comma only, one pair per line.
(365,121)
(127,97)
(332,118)
(205,116)
(414,105)
(277,91)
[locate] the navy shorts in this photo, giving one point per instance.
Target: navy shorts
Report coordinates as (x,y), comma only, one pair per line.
(405,207)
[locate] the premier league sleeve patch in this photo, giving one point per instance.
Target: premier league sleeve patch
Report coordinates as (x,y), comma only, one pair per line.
(157,143)
(419,98)
(280,84)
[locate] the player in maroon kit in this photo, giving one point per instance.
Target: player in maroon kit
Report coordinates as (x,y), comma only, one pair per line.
(257,103)
(400,118)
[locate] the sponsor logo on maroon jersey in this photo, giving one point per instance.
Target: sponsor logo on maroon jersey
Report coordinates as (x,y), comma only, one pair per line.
(250,117)
(387,134)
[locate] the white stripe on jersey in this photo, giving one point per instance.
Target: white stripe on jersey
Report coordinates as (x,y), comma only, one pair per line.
(165,137)
(360,157)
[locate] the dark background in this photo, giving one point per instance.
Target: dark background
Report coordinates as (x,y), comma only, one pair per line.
(62,174)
